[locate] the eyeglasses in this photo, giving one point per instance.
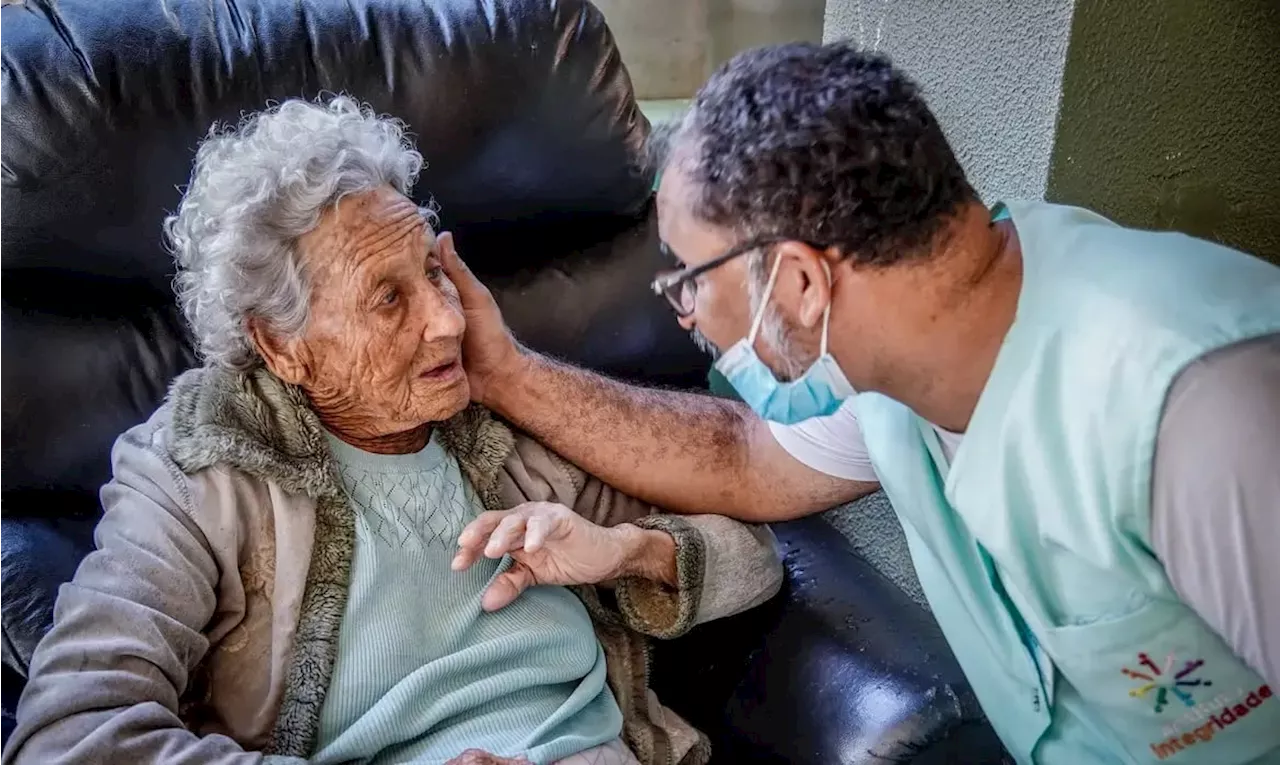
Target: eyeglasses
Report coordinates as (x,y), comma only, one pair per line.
(680,286)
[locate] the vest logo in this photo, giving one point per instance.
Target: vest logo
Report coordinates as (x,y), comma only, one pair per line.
(1159,682)
(1182,737)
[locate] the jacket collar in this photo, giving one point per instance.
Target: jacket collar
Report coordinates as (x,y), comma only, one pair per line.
(254,422)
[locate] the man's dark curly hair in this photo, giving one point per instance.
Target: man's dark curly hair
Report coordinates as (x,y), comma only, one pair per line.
(825,144)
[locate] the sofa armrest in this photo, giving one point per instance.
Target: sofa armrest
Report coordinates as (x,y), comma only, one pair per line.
(841,668)
(37,556)
(11,685)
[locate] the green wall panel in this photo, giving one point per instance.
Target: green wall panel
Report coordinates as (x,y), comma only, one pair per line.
(1170,118)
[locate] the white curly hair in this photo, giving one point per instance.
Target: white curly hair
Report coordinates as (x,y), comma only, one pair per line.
(254,191)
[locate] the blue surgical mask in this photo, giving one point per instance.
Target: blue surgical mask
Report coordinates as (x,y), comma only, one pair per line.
(816,393)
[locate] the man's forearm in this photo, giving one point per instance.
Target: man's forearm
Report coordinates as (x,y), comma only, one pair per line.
(682,451)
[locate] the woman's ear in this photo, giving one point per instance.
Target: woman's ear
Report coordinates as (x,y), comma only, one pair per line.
(814,281)
(286,358)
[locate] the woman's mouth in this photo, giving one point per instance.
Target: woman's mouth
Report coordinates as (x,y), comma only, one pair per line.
(444,372)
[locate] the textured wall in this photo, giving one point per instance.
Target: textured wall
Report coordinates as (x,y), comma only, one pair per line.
(737,25)
(671,46)
(991,70)
(665,44)
(1170,118)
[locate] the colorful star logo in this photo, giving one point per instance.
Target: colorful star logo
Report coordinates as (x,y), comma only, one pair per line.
(1162,681)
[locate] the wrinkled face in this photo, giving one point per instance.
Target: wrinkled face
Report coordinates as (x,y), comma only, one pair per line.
(729,295)
(381,352)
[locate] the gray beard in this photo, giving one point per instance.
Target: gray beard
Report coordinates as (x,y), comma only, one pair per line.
(773,332)
(778,337)
(705,345)
(773,335)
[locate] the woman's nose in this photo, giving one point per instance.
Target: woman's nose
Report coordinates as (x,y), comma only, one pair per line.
(444,319)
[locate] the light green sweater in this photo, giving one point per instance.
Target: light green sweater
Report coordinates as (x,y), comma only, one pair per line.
(422,672)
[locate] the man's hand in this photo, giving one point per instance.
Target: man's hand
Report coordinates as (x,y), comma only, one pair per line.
(551,544)
(489,352)
(479,757)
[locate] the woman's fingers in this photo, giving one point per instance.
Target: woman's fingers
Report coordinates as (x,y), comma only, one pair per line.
(507,537)
(478,531)
(526,527)
(472,540)
(507,586)
(537,529)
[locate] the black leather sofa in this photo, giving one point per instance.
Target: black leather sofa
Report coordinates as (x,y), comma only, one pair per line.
(526,115)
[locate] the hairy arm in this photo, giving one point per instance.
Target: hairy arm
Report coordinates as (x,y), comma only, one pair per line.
(687,452)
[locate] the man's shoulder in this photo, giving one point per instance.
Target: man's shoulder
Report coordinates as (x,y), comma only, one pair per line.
(1245,368)
(1217,444)
(1121,287)
(1223,409)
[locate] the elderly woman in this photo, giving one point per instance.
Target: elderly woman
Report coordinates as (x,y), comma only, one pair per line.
(316,550)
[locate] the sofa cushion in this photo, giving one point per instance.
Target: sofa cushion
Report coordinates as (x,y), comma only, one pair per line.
(522,108)
(37,555)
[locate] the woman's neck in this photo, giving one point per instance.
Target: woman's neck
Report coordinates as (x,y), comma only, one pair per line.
(353,430)
(408,442)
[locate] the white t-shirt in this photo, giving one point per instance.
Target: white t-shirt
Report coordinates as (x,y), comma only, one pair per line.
(834,445)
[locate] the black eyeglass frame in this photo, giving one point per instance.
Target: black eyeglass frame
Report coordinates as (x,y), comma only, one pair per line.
(671,284)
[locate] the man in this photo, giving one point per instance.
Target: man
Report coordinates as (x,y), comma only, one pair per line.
(1078,424)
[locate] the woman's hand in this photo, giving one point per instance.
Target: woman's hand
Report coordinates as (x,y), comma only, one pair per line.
(551,544)
(479,757)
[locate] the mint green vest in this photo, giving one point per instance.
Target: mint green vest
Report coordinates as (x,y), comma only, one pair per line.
(1033,547)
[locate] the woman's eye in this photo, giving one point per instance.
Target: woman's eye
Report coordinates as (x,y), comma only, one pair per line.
(435,273)
(390,297)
